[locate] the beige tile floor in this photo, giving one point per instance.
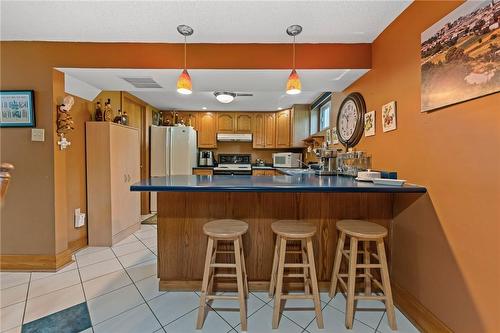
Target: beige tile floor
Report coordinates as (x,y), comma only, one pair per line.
(120,288)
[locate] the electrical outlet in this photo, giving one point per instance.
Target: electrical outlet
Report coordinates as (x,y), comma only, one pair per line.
(79,218)
(38,134)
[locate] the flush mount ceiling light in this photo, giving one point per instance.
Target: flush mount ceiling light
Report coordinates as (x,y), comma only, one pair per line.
(184,83)
(293,85)
(226,97)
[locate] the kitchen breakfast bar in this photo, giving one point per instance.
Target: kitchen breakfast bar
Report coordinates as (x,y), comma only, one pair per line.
(186,203)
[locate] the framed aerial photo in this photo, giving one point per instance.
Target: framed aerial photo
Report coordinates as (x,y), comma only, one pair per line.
(17,108)
(460,55)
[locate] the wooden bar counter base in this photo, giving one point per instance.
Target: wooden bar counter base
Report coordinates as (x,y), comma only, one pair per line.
(182,244)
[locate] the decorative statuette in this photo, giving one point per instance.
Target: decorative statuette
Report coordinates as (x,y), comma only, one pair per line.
(64,121)
(98,112)
(108,111)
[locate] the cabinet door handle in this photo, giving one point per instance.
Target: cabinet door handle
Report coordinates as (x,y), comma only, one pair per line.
(129,178)
(124,178)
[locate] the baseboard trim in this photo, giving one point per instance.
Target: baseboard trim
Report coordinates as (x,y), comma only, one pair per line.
(41,263)
(416,312)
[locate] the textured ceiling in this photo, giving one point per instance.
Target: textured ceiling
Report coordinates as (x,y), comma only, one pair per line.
(268,86)
(213,21)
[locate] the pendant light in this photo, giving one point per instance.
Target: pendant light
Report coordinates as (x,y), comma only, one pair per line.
(293,85)
(184,83)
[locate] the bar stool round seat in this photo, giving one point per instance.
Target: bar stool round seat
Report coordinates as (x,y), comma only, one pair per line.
(362,229)
(225,228)
(293,229)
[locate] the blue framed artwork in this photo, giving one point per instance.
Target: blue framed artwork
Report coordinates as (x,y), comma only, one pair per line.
(17,108)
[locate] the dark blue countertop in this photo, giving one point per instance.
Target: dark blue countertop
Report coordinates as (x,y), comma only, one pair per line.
(299,183)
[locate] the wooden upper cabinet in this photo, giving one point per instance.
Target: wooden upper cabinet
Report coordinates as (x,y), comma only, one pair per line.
(189,118)
(244,122)
(225,122)
(270,130)
(259,131)
(207,128)
(299,125)
(283,129)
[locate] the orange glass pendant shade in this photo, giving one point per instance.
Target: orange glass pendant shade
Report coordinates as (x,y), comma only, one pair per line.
(184,83)
(293,85)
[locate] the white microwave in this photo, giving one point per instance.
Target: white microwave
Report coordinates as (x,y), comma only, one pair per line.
(287,160)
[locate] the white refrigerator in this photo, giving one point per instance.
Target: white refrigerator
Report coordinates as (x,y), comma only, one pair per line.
(173,152)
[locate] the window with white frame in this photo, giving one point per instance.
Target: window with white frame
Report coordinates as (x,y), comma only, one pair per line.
(324,115)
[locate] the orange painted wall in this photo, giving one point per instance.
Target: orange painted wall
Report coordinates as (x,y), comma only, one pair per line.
(37,213)
(446,248)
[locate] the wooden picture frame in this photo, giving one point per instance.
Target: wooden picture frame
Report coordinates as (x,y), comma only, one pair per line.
(370,123)
(17,108)
(389,117)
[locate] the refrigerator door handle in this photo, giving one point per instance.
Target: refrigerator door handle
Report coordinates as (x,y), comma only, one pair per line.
(170,154)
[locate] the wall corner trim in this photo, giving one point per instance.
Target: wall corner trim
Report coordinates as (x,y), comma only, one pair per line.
(417,313)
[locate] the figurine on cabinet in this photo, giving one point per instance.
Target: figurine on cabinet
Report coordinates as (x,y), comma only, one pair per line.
(108,111)
(98,112)
(64,121)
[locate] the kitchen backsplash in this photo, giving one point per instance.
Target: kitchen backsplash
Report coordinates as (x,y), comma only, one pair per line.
(246,148)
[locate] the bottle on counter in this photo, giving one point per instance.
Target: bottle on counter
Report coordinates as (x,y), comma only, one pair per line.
(98,112)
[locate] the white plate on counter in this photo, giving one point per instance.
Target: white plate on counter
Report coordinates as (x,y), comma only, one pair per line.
(359,179)
(386,181)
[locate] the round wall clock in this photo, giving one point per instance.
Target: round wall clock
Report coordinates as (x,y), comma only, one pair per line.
(350,119)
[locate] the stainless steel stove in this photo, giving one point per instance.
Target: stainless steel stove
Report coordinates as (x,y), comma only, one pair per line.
(234,164)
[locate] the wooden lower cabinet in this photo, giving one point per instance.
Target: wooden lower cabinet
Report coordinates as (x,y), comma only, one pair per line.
(265,172)
(113,164)
(203,172)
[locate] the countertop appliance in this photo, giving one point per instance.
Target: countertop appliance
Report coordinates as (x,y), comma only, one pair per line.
(173,152)
(328,158)
(234,164)
(206,158)
(287,160)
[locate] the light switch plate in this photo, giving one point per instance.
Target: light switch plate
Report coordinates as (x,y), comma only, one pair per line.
(38,134)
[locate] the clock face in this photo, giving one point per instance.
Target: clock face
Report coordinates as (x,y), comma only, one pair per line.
(348,120)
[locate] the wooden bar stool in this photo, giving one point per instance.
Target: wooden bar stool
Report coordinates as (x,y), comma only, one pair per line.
(228,231)
(365,232)
(293,230)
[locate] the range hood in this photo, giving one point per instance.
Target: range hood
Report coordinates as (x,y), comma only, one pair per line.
(234,137)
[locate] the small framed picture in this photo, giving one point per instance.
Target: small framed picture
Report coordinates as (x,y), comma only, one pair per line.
(17,108)
(370,123)
(335,138)
(389,116)
(328,136)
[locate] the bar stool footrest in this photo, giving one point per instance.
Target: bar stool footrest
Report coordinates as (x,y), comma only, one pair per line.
(298,296)
(222,297)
